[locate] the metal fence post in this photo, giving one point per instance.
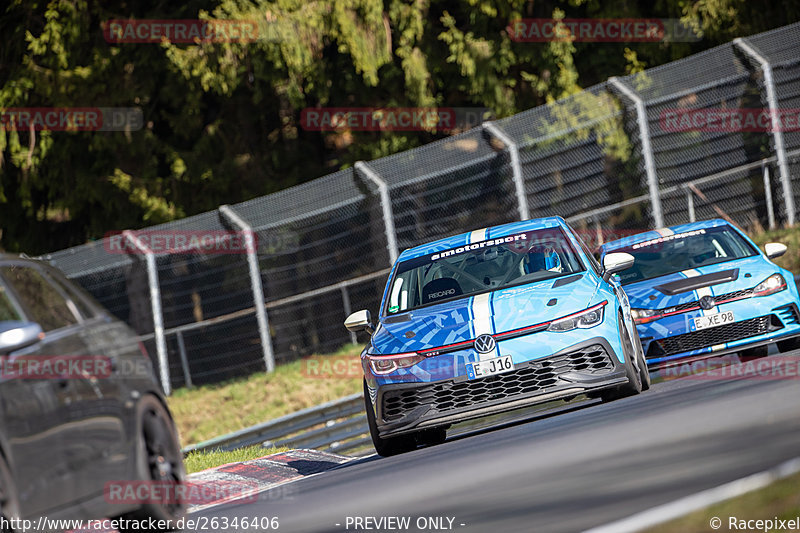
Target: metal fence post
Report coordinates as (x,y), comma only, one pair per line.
(516,168)
(777,132)
(647,148)
(346,307)
(187,374)
(255,284)
(690,204)
(386,205)
(768,196)
(155,302)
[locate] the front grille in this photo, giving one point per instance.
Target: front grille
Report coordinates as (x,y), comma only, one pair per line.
(711,336)
(537,377)
(744,293)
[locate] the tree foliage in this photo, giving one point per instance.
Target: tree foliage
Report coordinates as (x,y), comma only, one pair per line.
(222,120)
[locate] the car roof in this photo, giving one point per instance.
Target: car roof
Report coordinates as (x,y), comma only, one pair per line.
(661,232)
(493,232)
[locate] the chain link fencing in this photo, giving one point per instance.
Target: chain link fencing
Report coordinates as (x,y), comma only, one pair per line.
(607,159)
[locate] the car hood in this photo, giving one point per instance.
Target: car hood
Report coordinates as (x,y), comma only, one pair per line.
(679,288)
(508,309)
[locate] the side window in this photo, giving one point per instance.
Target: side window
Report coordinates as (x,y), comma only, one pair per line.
(7,309)
(78,299)
(42,302)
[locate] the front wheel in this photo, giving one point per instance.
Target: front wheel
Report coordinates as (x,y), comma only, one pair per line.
(159,460)
(634,375)
(641,362)
(385,446)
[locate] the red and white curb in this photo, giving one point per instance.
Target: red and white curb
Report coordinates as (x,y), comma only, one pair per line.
(243,482)
(260,475)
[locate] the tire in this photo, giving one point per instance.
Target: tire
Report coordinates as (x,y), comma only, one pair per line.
(634,375)
(752,354)
(644,373)
(9,500)
(789,345)
(158,458)
(386,446)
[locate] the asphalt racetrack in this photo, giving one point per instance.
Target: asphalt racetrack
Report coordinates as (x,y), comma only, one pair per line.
(589,465)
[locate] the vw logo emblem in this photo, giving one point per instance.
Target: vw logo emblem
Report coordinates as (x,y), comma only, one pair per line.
(707,302)
(485,343)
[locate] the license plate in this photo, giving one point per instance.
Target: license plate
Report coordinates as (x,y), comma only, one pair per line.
(712,321)
(497,365)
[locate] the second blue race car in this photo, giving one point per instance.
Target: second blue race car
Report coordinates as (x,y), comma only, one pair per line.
(493,320)
(704,289)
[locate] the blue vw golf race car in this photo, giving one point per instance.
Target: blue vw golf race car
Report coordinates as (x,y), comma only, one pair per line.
(493,320)
(704,289)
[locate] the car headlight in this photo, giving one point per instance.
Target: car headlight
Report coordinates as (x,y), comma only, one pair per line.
(643,316)
(771,285)
(386,364)
(584,319)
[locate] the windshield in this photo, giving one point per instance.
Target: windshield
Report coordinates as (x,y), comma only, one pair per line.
(681,251)
(480,267)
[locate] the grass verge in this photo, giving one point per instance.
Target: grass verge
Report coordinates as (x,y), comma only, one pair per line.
(213,410)
(780,500)
(197,461)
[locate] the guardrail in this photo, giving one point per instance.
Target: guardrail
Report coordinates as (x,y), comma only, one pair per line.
(338,426)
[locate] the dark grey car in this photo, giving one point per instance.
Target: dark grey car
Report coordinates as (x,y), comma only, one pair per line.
(68,429)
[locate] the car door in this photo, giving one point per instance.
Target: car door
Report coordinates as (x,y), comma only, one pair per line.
(99,406)
(35,407)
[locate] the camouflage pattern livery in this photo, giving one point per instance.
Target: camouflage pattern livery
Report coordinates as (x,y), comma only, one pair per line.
(758,319)
(422,333)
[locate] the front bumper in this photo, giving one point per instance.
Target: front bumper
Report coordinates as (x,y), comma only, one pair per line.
(407,407)
(758,325)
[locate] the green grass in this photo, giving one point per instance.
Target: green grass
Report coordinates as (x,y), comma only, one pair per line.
(213,410)
(781,499)
(197,461)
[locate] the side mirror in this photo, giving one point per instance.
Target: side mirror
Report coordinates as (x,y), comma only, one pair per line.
(616,262)
(774,249)
(15,335)
(360,321)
